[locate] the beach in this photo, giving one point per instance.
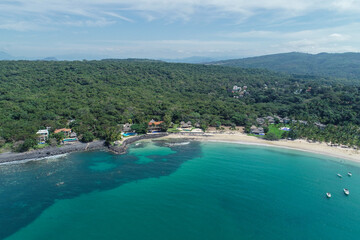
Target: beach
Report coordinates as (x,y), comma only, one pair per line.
(302,145)
(228,136)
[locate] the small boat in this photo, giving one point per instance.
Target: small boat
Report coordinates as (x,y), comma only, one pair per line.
(349,174)
(339,175)
(346,191)
(59,183)
(328,195)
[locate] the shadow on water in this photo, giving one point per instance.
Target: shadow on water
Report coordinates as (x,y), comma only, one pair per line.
(26,190)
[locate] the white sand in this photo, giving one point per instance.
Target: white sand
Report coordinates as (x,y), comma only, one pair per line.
(303,145)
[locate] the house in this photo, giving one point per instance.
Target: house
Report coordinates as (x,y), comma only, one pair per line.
(126,128)
(66,131)
(73,135)
(260,121)
(69,135)
(257,131)
(236,88)
(154,126)
(286,120)
(270,119)
(42,136)
(185,124)
(320,125)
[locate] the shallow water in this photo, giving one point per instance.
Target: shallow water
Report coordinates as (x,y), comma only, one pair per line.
(181,191)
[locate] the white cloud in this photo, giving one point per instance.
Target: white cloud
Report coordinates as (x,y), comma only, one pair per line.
(170,10)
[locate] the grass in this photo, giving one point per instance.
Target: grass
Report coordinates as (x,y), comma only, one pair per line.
(173,129)
(273,128)
(39,146)
(6,148)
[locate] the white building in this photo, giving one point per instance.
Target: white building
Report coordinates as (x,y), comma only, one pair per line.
(42,135)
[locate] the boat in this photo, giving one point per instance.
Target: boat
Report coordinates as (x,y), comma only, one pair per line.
(339,175)
(346,191)
(328,195)
(349,174)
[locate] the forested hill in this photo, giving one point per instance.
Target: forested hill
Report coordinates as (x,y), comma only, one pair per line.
(100,95)
(339,65)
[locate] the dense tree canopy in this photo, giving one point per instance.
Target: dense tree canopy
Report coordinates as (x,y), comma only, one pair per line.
(99,95)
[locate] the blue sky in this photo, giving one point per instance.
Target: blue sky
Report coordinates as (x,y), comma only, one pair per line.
(96,29)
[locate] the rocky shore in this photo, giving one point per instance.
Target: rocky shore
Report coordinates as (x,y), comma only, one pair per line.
(121,149)
(51,151)
(77,147)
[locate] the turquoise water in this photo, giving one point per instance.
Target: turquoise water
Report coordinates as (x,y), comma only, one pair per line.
(179,191)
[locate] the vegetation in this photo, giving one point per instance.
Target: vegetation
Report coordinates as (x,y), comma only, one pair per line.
(339,65)
(100,95)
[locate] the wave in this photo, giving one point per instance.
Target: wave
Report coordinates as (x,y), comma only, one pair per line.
(177,144)
(55,157)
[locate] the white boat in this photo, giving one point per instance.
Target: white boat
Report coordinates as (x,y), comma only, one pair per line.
(346,191)
(349,174)
(339,175)
(328,195)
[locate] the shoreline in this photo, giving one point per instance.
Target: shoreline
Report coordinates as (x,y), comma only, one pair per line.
(301,145)
(48,152)
(239,138)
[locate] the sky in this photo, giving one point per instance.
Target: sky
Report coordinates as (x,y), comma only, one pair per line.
(157,29)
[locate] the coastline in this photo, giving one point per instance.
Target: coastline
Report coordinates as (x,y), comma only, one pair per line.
(301,145)
(50,152)
(229,137)
(11,157)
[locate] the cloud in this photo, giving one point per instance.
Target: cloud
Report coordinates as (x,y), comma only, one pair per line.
(168,10)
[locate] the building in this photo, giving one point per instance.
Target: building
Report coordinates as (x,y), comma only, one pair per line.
(66,131)
(257,131)
(260,121)
(185,125)
(154,126)
(236,88)
(42,136)
(126,128)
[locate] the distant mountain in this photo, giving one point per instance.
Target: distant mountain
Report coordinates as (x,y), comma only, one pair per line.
(340,65)
(195,60)
(50,59)
(5,56)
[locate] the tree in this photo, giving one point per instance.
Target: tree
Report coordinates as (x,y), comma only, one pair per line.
(59,137)
(28,143)
(112,134)
(87,137)
(139,128)
(271,136)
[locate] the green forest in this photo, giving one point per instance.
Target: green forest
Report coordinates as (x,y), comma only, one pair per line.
(100,95)
(345,66)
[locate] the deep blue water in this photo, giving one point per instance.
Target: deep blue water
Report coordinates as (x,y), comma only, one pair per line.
(190,190)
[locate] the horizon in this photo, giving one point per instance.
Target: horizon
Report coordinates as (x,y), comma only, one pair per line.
(175,30)
(191,59)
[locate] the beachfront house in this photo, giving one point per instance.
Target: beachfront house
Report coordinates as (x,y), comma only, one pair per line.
(42,136)
(66,131)
(69,135)
(257,131)
(126,128)
(186,125)
(154,126)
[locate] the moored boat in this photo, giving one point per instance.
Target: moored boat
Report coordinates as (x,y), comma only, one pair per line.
(349,174)
(339,175)
(328,195)
(346,191)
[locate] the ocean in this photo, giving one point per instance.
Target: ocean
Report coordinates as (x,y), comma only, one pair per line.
(181,190)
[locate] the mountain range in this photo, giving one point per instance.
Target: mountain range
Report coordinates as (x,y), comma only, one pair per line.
(338,65)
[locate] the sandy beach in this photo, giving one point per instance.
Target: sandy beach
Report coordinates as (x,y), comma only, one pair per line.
(303,145)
